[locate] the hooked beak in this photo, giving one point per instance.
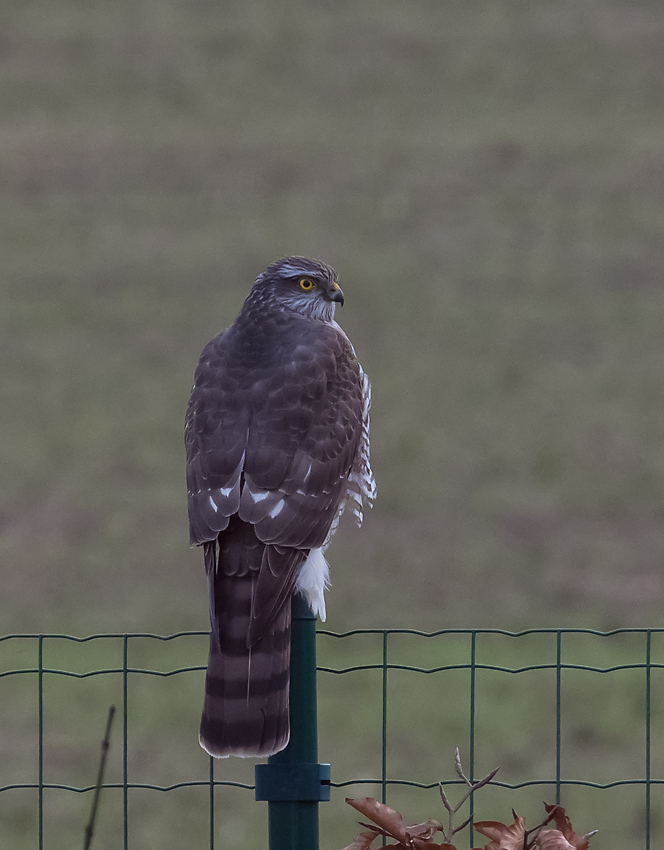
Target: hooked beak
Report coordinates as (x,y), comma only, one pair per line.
(336,294)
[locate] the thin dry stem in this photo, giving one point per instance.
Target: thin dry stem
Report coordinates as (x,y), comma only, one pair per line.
(105,744)
(472,787)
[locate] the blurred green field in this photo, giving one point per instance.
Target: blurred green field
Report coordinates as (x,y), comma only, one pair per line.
(487,179)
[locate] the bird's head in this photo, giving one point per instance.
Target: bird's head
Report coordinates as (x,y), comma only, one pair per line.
(304,286)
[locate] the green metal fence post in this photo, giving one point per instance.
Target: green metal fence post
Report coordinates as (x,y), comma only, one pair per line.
(292,782)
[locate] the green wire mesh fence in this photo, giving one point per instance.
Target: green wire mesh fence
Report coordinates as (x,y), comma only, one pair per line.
(570,715)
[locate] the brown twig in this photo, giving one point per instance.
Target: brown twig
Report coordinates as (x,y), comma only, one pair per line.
(89,829)
(472,787)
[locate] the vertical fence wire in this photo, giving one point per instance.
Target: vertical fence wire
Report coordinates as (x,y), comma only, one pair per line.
(125,783)
(559,670)
(40,664)
(383,737)
(211,803)
(383,762)
(648,719)
(471,730)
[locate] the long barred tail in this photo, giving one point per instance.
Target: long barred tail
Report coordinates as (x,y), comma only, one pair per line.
(245,712)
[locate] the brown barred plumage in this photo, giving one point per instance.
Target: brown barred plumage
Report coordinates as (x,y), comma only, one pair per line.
(277,439)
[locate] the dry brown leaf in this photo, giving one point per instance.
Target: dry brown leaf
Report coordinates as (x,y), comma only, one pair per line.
(503,837)
(416,836)
(577,842)
(430,846)
(552,839)
(424,831)
(363,841)
(390,822)
(418,844)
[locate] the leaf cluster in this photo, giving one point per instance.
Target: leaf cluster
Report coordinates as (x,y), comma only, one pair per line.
(389,823)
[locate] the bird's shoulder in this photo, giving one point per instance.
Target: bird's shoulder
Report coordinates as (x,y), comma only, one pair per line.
(250,350)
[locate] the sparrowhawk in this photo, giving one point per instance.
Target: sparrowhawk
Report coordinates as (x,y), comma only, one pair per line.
(277,440)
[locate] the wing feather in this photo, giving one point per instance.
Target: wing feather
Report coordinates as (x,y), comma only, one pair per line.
(273,430)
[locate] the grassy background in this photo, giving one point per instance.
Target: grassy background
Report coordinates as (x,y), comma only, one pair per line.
(487,179)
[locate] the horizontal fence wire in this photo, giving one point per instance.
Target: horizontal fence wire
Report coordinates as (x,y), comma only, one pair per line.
(385,668)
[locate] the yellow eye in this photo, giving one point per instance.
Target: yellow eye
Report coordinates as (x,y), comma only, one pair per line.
(306,283)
